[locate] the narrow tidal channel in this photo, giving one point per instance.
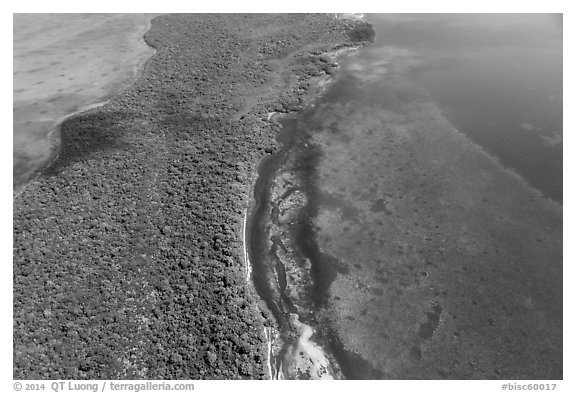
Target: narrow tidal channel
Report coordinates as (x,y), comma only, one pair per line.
(268,272)
(271,257)
(290,272)
(388,245)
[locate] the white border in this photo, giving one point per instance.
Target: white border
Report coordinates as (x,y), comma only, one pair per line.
(296,6)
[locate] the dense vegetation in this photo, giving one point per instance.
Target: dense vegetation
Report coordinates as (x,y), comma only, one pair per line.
(127,251)
(362,32)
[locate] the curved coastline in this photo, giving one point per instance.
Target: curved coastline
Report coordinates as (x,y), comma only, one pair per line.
(145,207)
(420,217)
(437,242)
(111,88)
(285,335)
(54,140)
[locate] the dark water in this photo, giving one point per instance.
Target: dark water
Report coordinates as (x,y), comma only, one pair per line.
(270,271)
(407,240)
(497,78)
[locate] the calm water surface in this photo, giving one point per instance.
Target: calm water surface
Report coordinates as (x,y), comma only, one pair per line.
(497,78)
(426,186)
(62,63)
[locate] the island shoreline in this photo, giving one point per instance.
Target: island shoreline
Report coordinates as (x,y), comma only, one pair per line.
(144,243)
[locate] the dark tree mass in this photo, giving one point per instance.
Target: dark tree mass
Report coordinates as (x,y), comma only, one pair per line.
(128,255)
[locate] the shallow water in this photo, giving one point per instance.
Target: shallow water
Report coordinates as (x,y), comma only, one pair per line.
(63,62)
(410,246)
(497,78)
